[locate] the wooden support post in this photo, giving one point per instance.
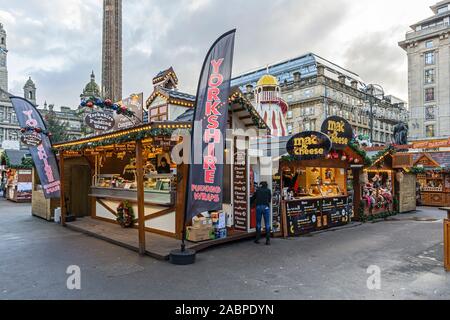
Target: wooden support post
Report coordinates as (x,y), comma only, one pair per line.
(140,195)
(182,175)
(62,197)
(447,244)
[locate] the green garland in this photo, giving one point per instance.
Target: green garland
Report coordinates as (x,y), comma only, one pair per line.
(122,139)
(363,154)
(256,119)
(27,163)
(363,217)
(418,170)
(125,214)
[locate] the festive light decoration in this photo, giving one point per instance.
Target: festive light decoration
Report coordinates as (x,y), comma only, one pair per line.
(238,98)
(133,134)
(107,104)
(35,129)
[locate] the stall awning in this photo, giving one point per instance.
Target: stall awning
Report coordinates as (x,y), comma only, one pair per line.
(153,129)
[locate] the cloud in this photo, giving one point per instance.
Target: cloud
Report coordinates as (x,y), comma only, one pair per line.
(58,43)
(378,60)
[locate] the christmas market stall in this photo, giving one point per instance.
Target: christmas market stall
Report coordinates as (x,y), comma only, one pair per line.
(245,167)
(433,177)
(387,185)
(135,179)
(127,178)
(16,175)
(318,185)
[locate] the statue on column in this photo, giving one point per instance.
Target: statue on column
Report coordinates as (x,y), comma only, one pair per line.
(401,134)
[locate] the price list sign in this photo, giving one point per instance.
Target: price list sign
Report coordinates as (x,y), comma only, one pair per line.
(302,216)
(240,189)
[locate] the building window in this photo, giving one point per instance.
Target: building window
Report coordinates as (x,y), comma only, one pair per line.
(289,115)
(158,114)
(430,113)
(3,41)
(430,131)
(429,58)
(429,76)
(289,128)
(429,94)
(429,44)
(442,9)
(13,135)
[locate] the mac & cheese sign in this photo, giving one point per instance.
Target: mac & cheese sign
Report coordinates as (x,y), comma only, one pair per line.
(339,131)
(309,145)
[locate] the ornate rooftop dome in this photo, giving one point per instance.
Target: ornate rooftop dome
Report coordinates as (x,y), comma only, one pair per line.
(29,83)
(92,88)
(267,80)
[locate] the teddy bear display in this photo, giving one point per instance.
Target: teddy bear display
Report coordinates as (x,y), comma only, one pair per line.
(376,193)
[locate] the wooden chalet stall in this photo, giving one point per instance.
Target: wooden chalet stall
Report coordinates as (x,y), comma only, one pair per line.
(433,177)
(126,174)
(16,175)
(388,186)
(377,185)
(245,167)
(106,175)
(320,193)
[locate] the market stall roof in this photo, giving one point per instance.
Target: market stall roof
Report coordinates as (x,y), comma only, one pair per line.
(173,96)
(432,160)
(15,157)
(239,106)
(163,128)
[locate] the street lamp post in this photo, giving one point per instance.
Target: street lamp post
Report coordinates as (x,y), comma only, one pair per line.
(370,91)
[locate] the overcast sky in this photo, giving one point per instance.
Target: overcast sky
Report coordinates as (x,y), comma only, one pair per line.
(58,43)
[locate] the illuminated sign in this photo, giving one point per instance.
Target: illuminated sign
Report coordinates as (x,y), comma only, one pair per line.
(309,145)
(339,131)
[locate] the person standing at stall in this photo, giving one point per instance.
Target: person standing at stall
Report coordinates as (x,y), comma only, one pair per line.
(164,167)
(262,197)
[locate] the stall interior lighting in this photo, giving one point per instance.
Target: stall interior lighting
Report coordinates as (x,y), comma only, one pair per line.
(378,171)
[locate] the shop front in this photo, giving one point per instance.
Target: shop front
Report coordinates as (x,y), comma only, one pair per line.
(318,185)
(378,190)
(433,177)
(127,177)
(16,175)
(136,179)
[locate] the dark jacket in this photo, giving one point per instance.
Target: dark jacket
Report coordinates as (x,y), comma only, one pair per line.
(262,197)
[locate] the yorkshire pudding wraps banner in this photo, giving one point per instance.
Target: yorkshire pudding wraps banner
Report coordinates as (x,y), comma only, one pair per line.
(43,156)
(204,192)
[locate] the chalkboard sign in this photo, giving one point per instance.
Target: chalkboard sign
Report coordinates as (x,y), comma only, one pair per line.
(302,216)
(276,202)
(339,130)
(100,121)
(336,210)
(309,145)
(240,189)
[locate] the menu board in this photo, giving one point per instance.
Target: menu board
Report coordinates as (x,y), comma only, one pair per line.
(240,190)
(336,210)
(302,216)
(305,216)
(276,201)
